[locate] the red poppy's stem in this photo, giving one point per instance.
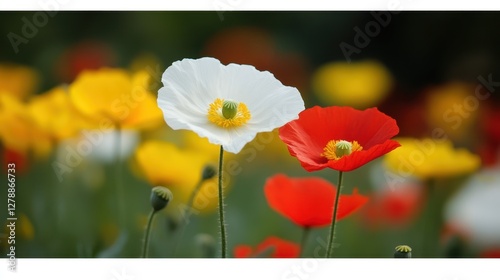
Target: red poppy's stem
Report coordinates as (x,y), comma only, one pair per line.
(303,242)
(221,207)
(334,217)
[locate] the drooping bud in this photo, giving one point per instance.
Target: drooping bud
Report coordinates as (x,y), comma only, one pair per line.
(208,172)
(402,251)
(229,109)
(160,197)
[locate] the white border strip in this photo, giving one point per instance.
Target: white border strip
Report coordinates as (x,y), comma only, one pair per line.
(286,269)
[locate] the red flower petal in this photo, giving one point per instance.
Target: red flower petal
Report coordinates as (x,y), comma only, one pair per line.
(242,251)
(396,207)
(307,136)
(20,160)
(491,253)
(273,246)
(308,202)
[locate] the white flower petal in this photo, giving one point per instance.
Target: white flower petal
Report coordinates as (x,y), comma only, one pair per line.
(190,86)
(475,208)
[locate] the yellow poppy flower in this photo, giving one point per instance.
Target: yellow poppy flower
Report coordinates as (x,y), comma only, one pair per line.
(18,81)
(453,108)
(116,96)
(430,158)
(18,130)
(164,164)
(358,84)
(54,113)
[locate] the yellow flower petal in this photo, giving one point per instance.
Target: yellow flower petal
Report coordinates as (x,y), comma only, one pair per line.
(357,84)
(19,131)
(164,164)
(452,107)
(429,158)
(18,81)
(116,95)
(54,113)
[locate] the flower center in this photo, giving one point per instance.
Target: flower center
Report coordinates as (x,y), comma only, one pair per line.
(335,149)
(228,113)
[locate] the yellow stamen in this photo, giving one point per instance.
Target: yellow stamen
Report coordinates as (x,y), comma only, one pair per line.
(335,149)
(228,118)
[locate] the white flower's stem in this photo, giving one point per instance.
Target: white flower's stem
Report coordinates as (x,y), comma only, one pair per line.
(221,207)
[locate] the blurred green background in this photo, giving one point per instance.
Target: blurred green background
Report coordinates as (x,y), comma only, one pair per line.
(412,59)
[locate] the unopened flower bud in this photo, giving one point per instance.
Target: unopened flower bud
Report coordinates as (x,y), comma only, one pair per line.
(160,196)
(206,245)
(402,251)
(209,172)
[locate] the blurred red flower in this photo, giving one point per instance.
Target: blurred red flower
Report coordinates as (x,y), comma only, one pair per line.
(273,247)
(489,147)
(341,138)
(257,47)
(308,202)
(85,55)
(491,253)
(396,207)
(20,160)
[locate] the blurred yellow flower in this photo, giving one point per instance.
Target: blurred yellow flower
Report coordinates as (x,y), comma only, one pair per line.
(191,141)
(358,84)
(54,113)
(18,130)
(453,108)
(109,233)
(117,96)
(163,164)
(25,227)
(428,158)
(18,81)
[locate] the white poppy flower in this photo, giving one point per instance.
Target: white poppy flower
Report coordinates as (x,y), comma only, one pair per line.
(228,104)
(476,207)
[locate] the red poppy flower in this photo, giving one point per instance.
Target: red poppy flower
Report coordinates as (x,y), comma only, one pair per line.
(20,160)
(395,206)
(308,202)
(491,253)
(273,246)
(341,138)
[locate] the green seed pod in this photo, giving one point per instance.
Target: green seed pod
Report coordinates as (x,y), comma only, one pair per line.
(402,251)
(160,196)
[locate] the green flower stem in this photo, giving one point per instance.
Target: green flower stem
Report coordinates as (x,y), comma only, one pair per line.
(334,217)
(118,177)
(191,199)
(189,211)
(221,206)
(145,246)
(432,220)
(303,241)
